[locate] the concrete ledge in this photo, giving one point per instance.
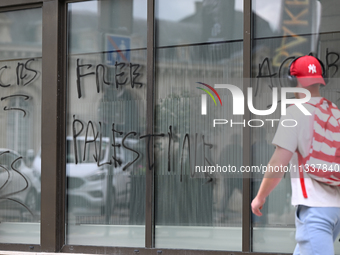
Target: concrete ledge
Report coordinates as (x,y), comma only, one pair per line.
(36,253)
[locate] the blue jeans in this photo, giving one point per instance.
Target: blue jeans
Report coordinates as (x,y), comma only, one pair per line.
(316,230)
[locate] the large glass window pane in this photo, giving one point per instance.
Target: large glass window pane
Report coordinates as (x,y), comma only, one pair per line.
(299,28)
(20,128)
(106,119)
(200,21)
(197,210)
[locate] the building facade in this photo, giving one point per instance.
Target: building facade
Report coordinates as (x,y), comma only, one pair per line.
(118,137)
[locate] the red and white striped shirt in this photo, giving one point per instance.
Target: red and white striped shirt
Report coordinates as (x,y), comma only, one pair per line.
(300,138)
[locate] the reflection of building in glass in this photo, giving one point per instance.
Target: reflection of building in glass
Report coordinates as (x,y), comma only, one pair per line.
(176,104)
(106,92)
(20,79)
(20,115)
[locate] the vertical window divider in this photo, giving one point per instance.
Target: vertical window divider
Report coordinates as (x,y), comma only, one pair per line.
(149,194)
(247,46)
(53,127)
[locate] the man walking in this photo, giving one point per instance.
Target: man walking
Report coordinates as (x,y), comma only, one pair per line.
(317,217)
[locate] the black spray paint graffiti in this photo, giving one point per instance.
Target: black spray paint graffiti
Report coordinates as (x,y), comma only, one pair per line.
(20,72)
(97,156)
(265,71)
(114,145)
(13,108)
(121,78)
(78,128)
(24,76)
(7,196)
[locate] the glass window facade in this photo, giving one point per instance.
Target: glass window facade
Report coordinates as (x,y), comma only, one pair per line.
(115,120)
(195,47)
(294,28)
(20,128)
(106,112)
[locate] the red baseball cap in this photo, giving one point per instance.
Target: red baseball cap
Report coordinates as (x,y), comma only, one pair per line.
(307,70)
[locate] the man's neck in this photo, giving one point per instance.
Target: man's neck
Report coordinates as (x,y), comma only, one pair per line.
(315,94)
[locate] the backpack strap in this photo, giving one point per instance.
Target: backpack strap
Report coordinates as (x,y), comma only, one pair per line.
(302,161)
(301,164)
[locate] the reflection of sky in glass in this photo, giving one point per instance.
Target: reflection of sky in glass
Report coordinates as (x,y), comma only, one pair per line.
(269,10)
(178,9)
(139,7)
(175,10)
(85,6)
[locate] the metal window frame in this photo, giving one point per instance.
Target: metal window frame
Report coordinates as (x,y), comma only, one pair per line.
(53,135)
(246,155)
(149,192)
(149,251)
(53,131)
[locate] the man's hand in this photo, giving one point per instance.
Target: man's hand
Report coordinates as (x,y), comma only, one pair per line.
(257,204)
(271,178)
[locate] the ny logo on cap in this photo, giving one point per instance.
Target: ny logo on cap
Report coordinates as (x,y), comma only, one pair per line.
(311,68)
